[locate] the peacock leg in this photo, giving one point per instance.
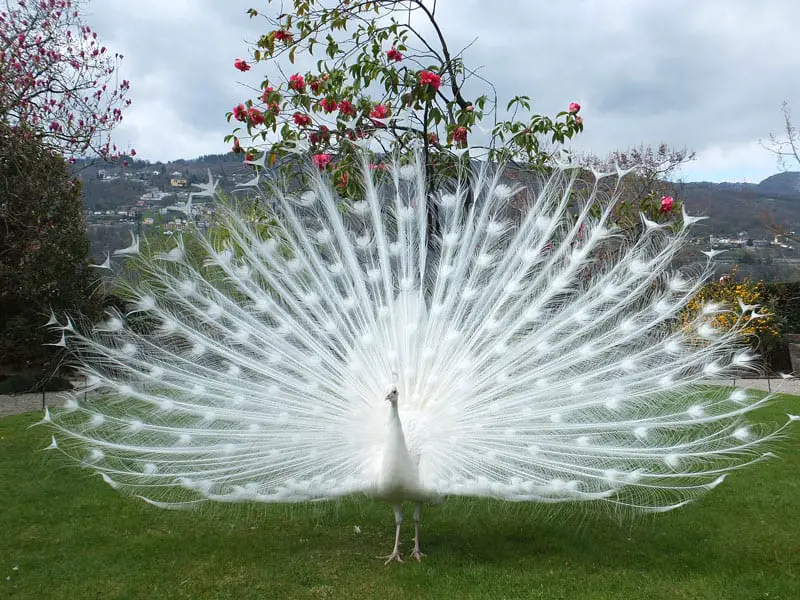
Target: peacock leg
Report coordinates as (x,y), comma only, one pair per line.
(417,518)
(398,520)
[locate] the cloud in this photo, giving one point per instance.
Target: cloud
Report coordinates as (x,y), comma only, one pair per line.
(705,75)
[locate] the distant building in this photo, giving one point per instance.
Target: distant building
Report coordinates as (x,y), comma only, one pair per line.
(178,182)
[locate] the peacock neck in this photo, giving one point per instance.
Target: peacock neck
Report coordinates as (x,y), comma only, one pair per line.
(394,416)
(395,425)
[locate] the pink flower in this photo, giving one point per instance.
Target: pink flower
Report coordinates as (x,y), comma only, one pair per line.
(256,116)
(267,91)
(321,160)
(322,135)
(328,105)
(133,151)
(667,204)
(297,83)
(379,112)
(301,120)
(241,64)
(240,112)
(460,135)
(346,108)
(430,78)
(574,107)
(283,36)
(394,54)
(579,120)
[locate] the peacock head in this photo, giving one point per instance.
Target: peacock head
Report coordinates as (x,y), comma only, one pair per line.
(391,397)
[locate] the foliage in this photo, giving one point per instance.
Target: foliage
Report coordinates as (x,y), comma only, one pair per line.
(779,303)
(477,549)
(762,330)
(43,245)
(784,299)
(20,383)
(380,79)
(57,78)
(648,188)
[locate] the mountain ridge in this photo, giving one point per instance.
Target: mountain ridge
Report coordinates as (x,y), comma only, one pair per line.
(758,208)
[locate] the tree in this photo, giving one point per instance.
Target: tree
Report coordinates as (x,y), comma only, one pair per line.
(649,188)
(787,146)
(43,245)
(382,80)
(58,79)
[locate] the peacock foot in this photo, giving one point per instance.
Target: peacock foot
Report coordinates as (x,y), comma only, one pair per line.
(417,554)
(393,556)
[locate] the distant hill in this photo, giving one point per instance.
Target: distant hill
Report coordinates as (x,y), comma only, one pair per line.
(786,184)
(756,208)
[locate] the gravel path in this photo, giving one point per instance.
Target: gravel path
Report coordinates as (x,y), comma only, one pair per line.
(22,403)
(783,386)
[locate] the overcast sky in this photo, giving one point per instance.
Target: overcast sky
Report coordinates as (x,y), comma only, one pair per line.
(709,75)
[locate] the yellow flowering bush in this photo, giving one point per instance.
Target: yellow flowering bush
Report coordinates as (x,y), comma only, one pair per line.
(762,330)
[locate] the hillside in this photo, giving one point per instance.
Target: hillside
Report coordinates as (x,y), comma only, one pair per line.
(113,196)
(759,209)
(740,207)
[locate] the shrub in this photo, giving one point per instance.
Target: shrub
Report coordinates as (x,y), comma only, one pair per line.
(43,247)
(21,383)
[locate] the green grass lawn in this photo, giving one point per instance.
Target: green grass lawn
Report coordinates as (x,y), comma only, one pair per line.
(66,535)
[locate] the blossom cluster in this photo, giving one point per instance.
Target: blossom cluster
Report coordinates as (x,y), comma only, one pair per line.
(421,98)
(57,77)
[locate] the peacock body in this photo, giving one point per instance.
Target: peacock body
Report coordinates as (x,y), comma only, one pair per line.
(530,356)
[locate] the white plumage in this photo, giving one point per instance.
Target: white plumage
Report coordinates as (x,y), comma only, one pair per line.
(535,355)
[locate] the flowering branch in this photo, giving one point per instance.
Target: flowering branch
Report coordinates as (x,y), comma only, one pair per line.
(58,79)
(373,85)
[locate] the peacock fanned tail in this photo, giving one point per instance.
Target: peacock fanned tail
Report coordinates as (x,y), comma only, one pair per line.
(537,351)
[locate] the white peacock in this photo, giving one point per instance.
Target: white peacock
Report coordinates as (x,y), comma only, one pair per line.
(519,361)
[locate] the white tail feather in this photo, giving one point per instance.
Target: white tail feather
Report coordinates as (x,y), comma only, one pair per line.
(536,355)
